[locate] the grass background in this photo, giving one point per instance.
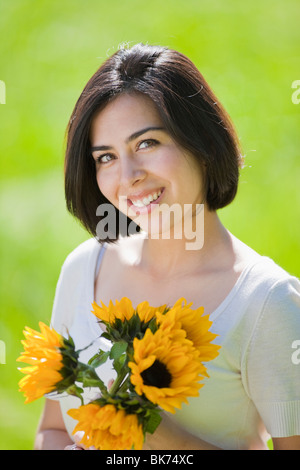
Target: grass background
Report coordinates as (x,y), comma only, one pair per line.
(249,54)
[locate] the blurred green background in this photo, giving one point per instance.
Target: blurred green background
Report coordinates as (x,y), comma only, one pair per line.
(249,54)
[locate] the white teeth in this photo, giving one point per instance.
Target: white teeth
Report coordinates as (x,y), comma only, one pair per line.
(138,203)
(147,200)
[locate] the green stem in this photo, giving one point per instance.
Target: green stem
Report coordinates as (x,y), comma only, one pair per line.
(120,377)
(87,375)
(125,385)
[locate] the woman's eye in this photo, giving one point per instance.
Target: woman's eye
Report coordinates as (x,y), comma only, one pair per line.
(104,158)
(147,143)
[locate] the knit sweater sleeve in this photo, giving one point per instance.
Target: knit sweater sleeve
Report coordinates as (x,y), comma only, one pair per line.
(273,360)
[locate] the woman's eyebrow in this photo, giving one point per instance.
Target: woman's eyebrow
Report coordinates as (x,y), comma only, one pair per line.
(132,137)
(143,131)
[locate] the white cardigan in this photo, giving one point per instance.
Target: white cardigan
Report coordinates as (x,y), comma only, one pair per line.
(254,386)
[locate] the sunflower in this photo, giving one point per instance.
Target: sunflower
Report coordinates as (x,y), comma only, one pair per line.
(123,322)
(165,371)
(146,312)
(123,310)
(195,325)
(47,354)
(107,427)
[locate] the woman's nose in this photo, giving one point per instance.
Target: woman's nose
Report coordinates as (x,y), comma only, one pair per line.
(131,172)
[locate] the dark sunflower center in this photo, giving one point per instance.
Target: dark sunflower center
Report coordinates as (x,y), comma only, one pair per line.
(157,375)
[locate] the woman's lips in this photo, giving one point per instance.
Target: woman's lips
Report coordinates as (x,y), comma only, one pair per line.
(143,205)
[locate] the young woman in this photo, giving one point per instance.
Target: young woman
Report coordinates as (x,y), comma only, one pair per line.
(147,134)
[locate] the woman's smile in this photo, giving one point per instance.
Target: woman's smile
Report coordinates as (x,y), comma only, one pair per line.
(144,202)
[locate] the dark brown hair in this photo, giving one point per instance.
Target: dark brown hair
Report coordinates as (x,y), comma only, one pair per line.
(190,111)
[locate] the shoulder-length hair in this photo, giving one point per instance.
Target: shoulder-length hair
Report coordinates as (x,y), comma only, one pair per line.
(188,108)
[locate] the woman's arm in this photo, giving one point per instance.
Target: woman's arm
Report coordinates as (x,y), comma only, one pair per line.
(286,443)
(170,437)
(52,433)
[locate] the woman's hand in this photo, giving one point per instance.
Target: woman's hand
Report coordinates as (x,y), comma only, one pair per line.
(79,435)
(77,446)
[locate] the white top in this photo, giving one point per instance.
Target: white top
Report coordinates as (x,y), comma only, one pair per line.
(254,386)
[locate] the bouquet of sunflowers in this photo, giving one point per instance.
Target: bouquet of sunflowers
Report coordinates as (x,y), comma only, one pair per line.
(158,355)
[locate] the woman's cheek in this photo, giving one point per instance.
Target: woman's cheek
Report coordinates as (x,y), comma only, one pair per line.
(104,185)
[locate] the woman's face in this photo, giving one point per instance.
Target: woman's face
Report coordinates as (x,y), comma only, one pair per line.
(140,169)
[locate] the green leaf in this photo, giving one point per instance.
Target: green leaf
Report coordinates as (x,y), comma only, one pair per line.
(88,382)
(74,390)
(119,363)
(99,359)
(153,325)
(118,349)
(106,336)
(134,325)
(153,422)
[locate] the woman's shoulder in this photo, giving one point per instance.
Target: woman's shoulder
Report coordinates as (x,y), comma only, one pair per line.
(262,269)
(269,273)
(86,255)
(265,285)
(82,254)
(273,291)
(79,263)
(75,279)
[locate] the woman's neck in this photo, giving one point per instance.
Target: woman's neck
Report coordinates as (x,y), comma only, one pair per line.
(174,257)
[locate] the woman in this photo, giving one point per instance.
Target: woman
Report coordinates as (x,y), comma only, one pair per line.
(147,134)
